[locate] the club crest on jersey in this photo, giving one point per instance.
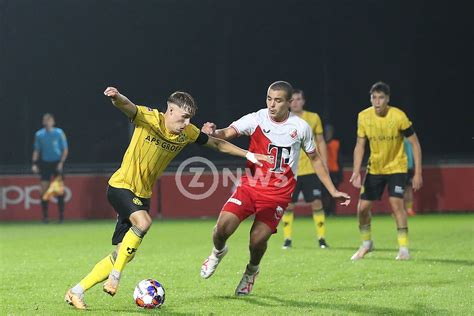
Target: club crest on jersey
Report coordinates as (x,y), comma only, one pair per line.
(279,212)
(294,133)
(181,138)
(137,201)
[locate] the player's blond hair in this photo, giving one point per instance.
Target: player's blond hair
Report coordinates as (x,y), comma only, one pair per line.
(184,101)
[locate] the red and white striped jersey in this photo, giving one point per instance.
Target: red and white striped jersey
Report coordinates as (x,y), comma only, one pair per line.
(282,140)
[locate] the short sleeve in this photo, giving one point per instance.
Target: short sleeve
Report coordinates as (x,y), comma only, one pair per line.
(405,123)
(318,128)
(192,132)
(246,125)
(63,140)
(360,127)
(307,140)
(36,144)
(145,116)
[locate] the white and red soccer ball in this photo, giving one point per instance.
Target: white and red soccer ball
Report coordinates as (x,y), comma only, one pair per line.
(149,293)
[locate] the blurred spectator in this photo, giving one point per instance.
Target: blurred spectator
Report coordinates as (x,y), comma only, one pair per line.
(49,154)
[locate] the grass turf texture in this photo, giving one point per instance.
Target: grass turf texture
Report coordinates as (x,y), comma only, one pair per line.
(39,262)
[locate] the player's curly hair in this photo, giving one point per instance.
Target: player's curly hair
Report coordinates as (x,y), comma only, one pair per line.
(184,101)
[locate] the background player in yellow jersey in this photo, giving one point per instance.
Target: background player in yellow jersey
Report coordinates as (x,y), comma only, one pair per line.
(157,139)
(307,181)
(385,127)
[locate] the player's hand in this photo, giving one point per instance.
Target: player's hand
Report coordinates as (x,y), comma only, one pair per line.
(356,180)
(60,166)
(35,168)
(208,128)
(341,196)
(417,182)
(111,92)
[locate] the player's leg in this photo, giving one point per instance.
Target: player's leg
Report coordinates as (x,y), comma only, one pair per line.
(371,190)
(141,223)
(287,221)
(319,219)
(60,198)
(289,217)
(268,213)
(408,195)
(44,185)
(101,271)
(237,208)
(396,192)
(312,192)
(259,235)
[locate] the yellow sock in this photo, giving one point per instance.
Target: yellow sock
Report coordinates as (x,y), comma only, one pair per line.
(129,246)
(287,219)
(402,236)
(99,273)
(409,205)
(319,222)
(365,232)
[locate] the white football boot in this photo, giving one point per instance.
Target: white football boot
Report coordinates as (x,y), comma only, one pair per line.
(367,246)
(209,265)
(246,284)
(403,254)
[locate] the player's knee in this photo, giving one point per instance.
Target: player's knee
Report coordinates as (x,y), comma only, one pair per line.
(143,223)
(317,204)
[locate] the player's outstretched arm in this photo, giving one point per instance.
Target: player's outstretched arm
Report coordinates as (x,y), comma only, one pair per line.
(121,102)
(225,133)
(358,156)
(322,147)
(228,148)
(323,175)
(417,177)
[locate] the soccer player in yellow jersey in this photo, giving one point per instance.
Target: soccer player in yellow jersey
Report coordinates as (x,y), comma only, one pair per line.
(385,127)
(157,139)
(307,181)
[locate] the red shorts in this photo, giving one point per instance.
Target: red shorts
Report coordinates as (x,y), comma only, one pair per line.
(247,201)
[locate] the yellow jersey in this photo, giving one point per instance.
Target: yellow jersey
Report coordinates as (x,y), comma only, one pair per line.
(304,164)
(387,154)
(150,151)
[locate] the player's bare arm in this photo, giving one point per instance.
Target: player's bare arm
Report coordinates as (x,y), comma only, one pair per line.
(322,148)
(62,160)
(323,174)
(228,148)
(227,133)
(121,102)
(417,178)
(358,156)
(34,159)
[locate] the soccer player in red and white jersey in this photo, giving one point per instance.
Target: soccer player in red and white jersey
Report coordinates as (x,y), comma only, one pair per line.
(265,191)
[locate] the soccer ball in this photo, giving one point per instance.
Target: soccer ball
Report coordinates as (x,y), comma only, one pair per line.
(149,293)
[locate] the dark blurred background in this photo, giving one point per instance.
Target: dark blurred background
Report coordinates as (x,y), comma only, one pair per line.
(58,56)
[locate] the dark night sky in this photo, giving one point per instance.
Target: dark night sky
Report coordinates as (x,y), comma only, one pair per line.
(58,56)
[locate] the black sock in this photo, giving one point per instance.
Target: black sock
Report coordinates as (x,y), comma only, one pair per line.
(44,207)
(61,207)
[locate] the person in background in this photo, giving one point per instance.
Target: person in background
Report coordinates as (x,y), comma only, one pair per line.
(408,196)
(334,166)
(50,151)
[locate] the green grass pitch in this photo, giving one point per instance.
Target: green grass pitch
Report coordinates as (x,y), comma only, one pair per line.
(39,262)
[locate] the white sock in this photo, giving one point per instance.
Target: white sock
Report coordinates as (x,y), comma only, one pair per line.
(77,290)
(115,274)
(216,252)
(367,244)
